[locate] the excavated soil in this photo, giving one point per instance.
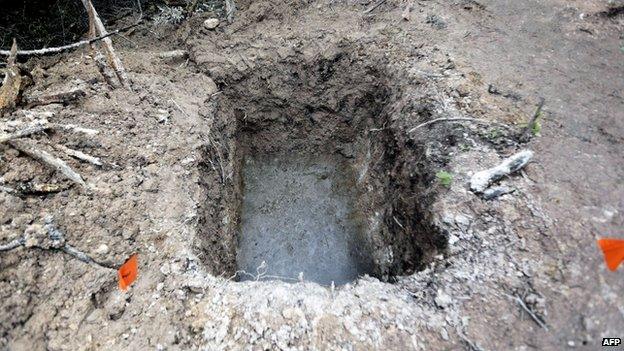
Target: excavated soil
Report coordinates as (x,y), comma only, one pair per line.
(297,107)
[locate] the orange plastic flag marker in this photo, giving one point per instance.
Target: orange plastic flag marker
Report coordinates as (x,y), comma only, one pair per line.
(613,250)
(128,272)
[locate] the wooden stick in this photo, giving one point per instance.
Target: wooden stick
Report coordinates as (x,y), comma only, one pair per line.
(458,119)
(54,50)
(49,160)
(57,240)
(12,244)
(370,9)
(114,61)
(79,155)
(10,90)
(74,128)
(55,98)
(230,9)
(23,132)
(482,179)
(40,126)
(533,316)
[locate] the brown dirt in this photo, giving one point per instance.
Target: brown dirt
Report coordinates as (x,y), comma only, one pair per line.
(297,77)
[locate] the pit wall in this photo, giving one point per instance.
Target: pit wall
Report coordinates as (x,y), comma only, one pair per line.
(340,105)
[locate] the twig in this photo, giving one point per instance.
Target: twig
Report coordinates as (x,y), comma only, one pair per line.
(179,108)
(370,9)
(6,189)
(79,155)
(55,241)
(13,244)
(230,9)
(55,98)
(40,126)
(11,89)
(459,119)
(482,179)
(23,132)
(472,345)
(98,26)
(24,189)
(533,316)
(74,128)
(525,135)
(47,159)
(77,44)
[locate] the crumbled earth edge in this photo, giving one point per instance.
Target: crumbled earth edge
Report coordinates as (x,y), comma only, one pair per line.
(148,198)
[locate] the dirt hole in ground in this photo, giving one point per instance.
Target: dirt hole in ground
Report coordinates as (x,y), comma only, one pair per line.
(303,176)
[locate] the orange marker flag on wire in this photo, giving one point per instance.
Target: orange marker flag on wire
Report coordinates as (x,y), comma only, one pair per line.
(613,250)
(128,272)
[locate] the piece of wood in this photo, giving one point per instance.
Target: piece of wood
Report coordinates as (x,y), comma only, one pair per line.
(107,43)
(40,126)
(532,314)
(482,179)
(62,97)
(44,157)
(459,119)
(74,128)
(12,244)
(230,9)
(79,155)
(370,9)
(11,88)
(57,49)
(23,132)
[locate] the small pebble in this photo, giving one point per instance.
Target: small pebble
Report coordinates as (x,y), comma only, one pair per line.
(211,23)
(102,249)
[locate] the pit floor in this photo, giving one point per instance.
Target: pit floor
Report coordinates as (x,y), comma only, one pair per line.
(298,216)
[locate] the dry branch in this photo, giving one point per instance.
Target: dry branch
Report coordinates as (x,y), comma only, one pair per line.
(370,9)
(23,132)
(79,155)
(74,128)
(47,159)
(98,29)
(458,119)
(57,49)
(55,98)
(54,240)
(11,84)
(114,61)
(482,180)
(12,245)
(230,9)
(43,125)
(532,314)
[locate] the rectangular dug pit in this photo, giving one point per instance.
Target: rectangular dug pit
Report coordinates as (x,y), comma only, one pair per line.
(298,217)
(305,171)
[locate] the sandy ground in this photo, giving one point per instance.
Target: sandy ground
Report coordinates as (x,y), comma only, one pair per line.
(491,60)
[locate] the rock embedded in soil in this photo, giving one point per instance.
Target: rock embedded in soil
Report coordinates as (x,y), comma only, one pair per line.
(211,23)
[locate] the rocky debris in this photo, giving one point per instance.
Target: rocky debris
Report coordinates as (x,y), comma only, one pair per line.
(211,23)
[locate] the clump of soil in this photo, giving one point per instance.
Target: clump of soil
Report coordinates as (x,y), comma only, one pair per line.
(338,106)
